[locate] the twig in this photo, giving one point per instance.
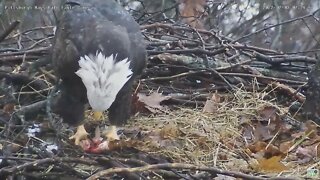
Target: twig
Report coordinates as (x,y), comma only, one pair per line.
(21,167)
(290,91)
(39,42)
(127,175)
(205,60)
(264,77)
(184,28)
(42,50)
(174,76)
(19,58)
(137,162)
(11,170)
(283,59)
(197,51)
(279,24)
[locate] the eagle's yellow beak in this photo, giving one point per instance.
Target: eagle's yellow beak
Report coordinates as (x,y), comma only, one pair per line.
(97,115)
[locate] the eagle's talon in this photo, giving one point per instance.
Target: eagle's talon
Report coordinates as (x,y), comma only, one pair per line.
(111,134)
(81,134)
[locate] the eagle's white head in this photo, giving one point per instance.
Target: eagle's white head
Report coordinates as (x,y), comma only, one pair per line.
(103,78)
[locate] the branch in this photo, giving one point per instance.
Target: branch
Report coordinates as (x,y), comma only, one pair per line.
(21,167)
(196,51)
(283,59)
(38,51)
(279,24)
(179,166)
(11,170)
(264,78)
(174,76)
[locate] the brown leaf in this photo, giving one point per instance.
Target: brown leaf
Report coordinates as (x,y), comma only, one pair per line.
(211,105)
(8,108)
(265,150)
(309,152)
(247,132)
(268,113)
(285,146)
(258,146)
(191,12)
(272,164)
(163,138)
(138,106)
(262,132)
(152,102)
(306,152)
(275,123)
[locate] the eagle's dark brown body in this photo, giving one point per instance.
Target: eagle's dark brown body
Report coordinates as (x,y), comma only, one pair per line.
(85,27)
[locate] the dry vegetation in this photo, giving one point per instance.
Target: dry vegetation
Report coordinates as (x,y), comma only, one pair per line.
(206,107)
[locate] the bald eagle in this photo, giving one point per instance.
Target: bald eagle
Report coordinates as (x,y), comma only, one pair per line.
(97,53)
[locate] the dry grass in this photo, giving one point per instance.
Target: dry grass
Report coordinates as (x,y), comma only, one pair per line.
(214,139)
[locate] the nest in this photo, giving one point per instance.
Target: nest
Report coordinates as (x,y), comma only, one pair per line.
(182,137)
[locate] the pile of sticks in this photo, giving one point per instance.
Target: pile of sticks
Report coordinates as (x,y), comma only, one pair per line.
(183,62)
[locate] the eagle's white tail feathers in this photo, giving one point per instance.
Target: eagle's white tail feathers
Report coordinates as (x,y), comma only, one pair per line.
(103,78)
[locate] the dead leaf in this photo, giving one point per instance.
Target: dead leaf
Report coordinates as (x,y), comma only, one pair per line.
(262,132)
(191,12)
(262,149)
(163,137)
(308,153)
(138,106)
(244,119)
(152,102)
(272,164)
(286,146)
(258,146)
(211,105)
(268,113)
(8,108)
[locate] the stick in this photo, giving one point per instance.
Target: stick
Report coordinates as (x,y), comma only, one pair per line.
(179,166)
(39,162)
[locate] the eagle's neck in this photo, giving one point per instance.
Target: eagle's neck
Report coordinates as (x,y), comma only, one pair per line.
(103,78)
